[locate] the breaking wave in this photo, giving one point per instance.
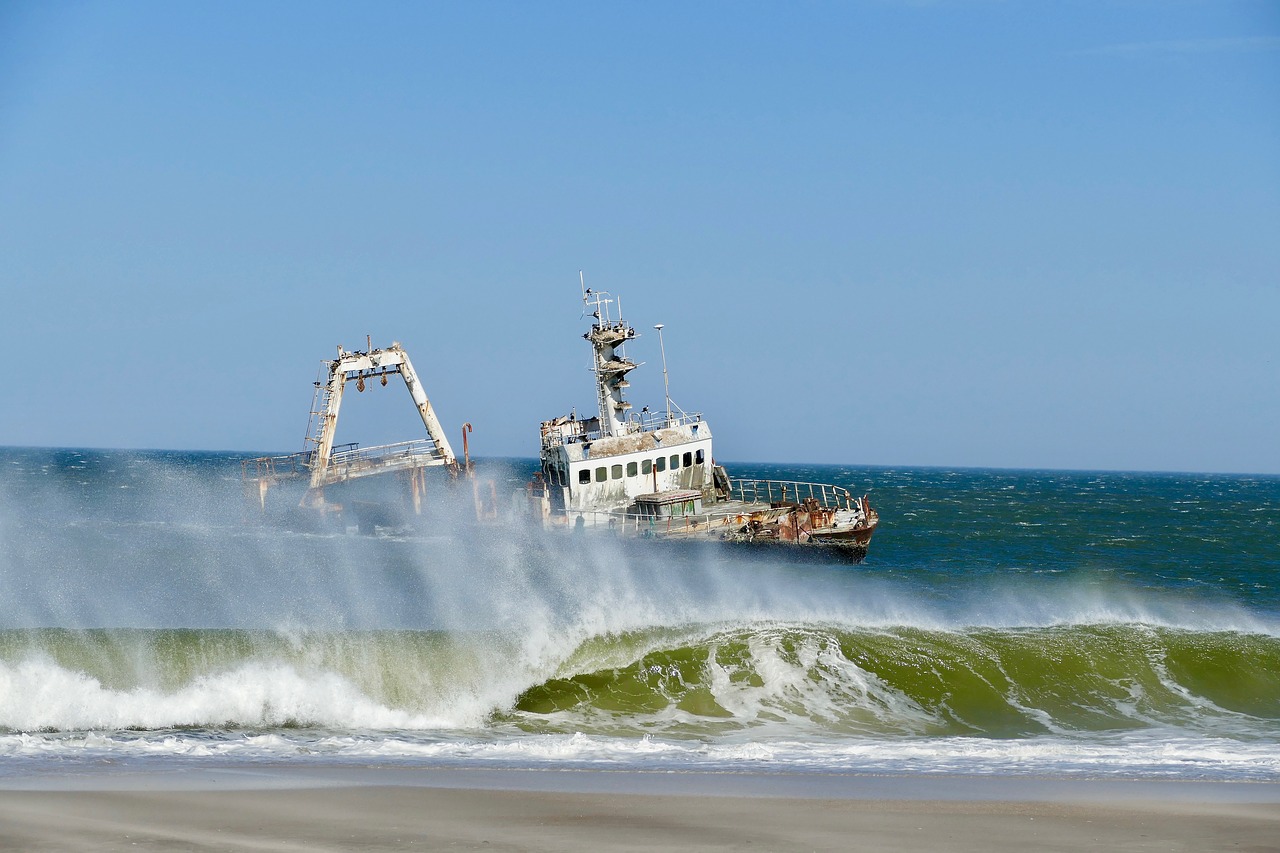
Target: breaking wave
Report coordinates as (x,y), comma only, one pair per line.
(766,681)
(1006,622)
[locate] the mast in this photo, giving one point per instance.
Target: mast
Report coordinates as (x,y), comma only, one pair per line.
(610,366)
(666,383)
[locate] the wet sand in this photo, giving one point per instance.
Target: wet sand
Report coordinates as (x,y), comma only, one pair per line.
(581,811)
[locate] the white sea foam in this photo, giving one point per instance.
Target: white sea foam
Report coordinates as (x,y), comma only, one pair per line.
(37,695)
(1151,755)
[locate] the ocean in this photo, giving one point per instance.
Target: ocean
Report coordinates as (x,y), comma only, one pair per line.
(1009,623)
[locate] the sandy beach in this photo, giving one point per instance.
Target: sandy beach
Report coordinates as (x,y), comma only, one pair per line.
(536,811)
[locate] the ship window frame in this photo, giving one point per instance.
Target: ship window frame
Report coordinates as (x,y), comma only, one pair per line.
(674,462)
(584,476)
(633,468)
(687,460)
(646,466)
(661,464)
(699,456)
(602,474)
(615,472)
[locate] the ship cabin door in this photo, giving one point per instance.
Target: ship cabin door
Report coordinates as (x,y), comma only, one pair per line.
(557,477)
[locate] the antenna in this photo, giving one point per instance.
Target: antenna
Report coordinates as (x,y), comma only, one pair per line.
(666,384)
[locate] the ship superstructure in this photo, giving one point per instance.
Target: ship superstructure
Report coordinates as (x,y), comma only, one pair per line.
(619,456)
(653,474)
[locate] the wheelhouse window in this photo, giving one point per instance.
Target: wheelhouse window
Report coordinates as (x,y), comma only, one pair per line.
(688,459)
(584,476)
(617,472)
(602,474)
(699,456)
(675,461)
(661,464)
(632,470)
(646,466)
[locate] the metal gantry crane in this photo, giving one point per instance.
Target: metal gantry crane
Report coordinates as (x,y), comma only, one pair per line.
(324,464)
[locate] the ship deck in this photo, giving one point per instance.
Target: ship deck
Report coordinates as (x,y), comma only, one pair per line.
(751,501)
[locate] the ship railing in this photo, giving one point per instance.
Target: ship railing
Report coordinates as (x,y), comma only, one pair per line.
(276,467)
(643,422)
(355,456)
(630,522)
(791,492)
(654,421)
(345,458)
(721,516)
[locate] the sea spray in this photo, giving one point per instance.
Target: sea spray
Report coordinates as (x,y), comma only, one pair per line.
(1007,622)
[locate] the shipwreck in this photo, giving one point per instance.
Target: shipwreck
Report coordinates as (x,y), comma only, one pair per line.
(653,474)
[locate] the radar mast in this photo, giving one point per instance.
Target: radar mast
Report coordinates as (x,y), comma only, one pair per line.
(607,336)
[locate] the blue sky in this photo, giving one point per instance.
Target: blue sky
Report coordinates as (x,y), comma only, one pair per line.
(1037,234)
